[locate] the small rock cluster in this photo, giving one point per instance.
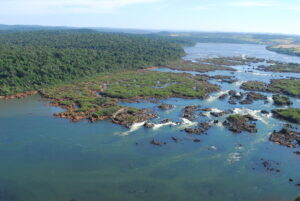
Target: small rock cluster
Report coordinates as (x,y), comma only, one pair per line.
(239,123)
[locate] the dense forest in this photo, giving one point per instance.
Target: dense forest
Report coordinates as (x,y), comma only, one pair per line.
(34,59)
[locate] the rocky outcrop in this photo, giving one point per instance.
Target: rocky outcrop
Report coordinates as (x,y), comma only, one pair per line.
(252,96)
(220,114)
(238,123)
(189,112)
(200,129)
(127,119)
(234,97)
(286,137)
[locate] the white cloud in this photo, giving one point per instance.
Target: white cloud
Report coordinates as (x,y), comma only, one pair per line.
(23,7)
(294,8)
(252,3)
(201,8)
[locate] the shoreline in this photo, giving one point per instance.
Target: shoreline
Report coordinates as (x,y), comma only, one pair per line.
(19,95)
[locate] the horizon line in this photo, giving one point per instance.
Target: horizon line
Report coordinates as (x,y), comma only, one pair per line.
(151,30)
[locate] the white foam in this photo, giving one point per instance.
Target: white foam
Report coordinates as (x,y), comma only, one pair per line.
(216,110)
(219,124)
(212,148)
(270,99)
(186,122)
(157,126)
(133,128)
(261,74)
(234,157)
(238,83)
(214,97)
(239,147)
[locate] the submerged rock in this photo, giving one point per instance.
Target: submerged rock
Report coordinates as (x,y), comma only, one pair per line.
(194,130)
(297,152)
(197,140)
(165,106)
(155,142)
(165,121)
(175,139)
(271,166)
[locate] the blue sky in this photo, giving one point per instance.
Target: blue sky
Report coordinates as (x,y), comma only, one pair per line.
(273,16)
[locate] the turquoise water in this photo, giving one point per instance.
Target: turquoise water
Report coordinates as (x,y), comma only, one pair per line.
(52,159)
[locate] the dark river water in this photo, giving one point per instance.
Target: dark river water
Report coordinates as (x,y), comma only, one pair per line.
(50,159)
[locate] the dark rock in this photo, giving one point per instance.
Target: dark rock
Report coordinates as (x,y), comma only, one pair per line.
(232,92)
(149,125)
(155,142)
(165,121)
(220,114)
(264,112)
(224,96)
(232,100)
(194,130)
(165,106)
(197,140)
(175,139)
(206,109)
(297,152)
(204,125)
(271,166)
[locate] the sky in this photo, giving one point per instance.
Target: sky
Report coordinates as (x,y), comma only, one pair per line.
(267,16)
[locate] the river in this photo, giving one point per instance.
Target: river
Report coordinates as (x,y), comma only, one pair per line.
(51,159)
